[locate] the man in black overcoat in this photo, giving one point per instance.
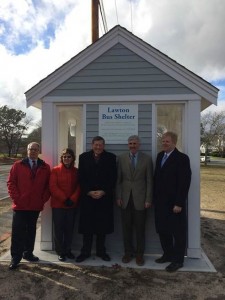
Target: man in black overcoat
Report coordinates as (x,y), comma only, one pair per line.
(172,179)
(97,176)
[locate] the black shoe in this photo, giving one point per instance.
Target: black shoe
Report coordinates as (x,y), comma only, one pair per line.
(70,255)
(173,267)
(163,259)
(104,256)
(81,257)
(13,265)
(61,257)
(31,257)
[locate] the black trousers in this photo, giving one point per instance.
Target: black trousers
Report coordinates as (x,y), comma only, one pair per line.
(174,242)
(63,225)
(23,233)
(87,244)
(133,221)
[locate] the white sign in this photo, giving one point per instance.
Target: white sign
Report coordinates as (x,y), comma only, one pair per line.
(118,122)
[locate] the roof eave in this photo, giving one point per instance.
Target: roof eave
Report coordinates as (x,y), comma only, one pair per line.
(135,44)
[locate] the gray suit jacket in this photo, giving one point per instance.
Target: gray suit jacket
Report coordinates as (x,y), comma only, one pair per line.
(138,181)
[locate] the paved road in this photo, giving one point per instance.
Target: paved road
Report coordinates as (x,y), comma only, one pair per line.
(4,172)
(215,161)
(6,211)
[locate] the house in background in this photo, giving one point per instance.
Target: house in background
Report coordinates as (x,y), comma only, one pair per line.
(118,86)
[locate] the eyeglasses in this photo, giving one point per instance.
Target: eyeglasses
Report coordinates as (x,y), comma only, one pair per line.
(33,149)
(64,157)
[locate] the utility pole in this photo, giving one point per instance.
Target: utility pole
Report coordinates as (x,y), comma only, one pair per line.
(95,20)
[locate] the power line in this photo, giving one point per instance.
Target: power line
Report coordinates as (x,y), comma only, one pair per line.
(104,22)
(102,11)
(101,28)
(116,13)
(131,16)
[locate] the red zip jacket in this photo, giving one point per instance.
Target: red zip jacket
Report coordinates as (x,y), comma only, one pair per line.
(64,184)
(29,192)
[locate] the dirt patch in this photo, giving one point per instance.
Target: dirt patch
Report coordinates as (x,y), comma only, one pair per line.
(40,281)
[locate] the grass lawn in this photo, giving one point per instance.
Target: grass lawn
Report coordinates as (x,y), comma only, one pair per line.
(213,187)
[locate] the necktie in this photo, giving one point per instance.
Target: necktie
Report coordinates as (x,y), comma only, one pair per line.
(34,168)
(164,159)
(133,160)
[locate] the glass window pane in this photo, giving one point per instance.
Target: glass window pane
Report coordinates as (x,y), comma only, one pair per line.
(70,129)
(169,118)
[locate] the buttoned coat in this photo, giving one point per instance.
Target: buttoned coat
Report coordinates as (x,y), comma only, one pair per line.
(138,180)
(171,185)
(96,215)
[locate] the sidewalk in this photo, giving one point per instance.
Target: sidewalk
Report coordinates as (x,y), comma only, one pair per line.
(191,265)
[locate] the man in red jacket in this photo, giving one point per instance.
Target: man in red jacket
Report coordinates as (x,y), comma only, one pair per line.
(28,188)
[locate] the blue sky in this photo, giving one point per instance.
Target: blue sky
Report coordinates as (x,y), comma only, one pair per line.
(38,36)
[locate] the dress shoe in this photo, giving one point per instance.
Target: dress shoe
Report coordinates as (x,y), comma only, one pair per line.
(163,259)
(81,257)
(31,257)
(126,258)
(13,265)
(173,267)
(70,255)
(104,256)
(140,260)
(62,257)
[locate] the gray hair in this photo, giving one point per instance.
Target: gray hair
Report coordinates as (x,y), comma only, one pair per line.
(33,143)
(134,137)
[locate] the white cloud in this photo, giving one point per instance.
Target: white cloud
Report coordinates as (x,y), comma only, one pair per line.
(189,31)
(25,70)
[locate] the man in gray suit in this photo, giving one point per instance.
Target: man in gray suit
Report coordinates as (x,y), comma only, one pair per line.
(134,196)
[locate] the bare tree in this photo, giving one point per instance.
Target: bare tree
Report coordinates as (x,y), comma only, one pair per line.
(35,134)
(213,131)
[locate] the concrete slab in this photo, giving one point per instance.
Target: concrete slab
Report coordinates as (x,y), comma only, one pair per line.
(202,264)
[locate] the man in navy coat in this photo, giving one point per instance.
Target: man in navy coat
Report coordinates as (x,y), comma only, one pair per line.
(172,179)
(97,176)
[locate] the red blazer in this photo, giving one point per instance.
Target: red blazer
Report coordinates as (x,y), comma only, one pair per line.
(64,184)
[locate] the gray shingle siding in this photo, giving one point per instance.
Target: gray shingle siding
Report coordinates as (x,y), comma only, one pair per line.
(119,71)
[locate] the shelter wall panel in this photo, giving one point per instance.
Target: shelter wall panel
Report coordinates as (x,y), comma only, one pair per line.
(119,71)
(118,59)
(119,78)
(132,71)
(121,91)
(118,65)
(120,85)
